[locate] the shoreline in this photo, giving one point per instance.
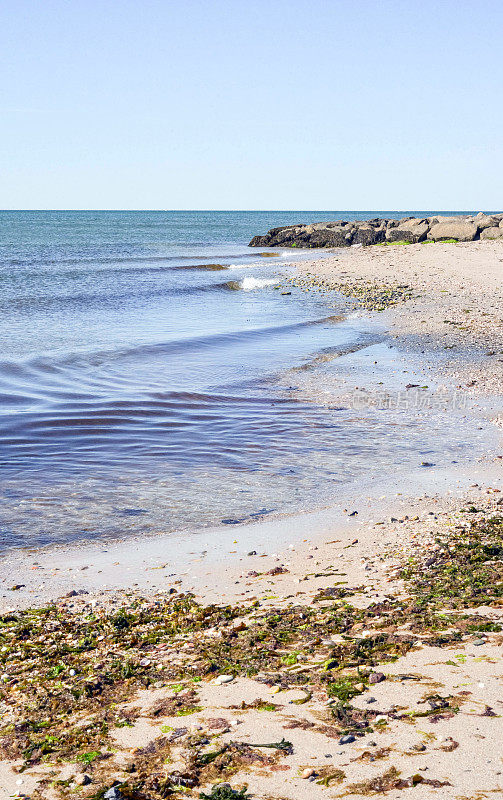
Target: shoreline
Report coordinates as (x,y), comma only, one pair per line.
(466,374)
(394,519)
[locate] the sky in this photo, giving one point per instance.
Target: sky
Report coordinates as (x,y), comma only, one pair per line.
(251,104)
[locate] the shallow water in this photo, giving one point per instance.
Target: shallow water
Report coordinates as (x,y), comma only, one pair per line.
(148,384)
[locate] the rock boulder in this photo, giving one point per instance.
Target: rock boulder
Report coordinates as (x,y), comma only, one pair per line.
(462,231)
(412,230)
(492,233)
(343,233)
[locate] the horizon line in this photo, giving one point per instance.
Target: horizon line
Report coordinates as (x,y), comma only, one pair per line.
(238,210)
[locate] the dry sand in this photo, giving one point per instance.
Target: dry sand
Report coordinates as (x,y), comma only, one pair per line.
(456,308)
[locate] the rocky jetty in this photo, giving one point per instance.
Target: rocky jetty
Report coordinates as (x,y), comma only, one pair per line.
(343,233)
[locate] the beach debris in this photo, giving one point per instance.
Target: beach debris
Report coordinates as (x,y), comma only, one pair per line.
(72,673)
(113,794)
(277,571)
(391,780)
(286,747)
(448,744)
(224,791)
(328,775)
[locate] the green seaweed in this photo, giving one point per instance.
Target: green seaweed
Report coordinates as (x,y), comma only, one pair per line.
(223,791)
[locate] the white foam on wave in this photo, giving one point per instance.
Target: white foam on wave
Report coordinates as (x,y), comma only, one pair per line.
(249,284)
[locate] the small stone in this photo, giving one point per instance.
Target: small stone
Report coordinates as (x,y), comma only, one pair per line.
(307,773)
(376,677)
(347,739)
(371,700)
(478,642)
(223,679)
(252,553)
(82,779)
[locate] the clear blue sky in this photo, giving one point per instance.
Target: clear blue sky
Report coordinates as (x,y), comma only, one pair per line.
(244,104)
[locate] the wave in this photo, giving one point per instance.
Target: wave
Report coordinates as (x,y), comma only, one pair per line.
(176,427)
(249,284)
(210,267)
(44,302)
(72,262)
(30,371)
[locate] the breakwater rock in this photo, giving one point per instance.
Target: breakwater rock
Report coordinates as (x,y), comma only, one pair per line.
(342,233)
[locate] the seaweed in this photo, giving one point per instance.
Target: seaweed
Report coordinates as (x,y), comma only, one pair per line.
(66,674)
(222,791)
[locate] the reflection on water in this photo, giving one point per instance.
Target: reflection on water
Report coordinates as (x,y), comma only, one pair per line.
(150,380)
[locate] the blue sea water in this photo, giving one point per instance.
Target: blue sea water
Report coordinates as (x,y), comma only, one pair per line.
(142,388)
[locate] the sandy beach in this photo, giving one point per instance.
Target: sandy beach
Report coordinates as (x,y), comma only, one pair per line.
(351,651)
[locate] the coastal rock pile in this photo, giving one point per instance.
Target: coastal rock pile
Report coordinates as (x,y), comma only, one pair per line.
(410,230)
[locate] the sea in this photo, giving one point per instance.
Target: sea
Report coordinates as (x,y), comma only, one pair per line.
(149,378)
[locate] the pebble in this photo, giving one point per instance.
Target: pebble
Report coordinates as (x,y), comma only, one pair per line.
(377,677)
(82,779)
(307,773)
(223,679)
(371,700)
(347,739)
